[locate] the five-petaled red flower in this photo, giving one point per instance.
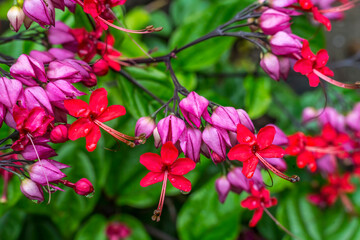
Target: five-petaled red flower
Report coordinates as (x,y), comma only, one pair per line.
(91,117)
(251,149)
(311,65)
(258,200)
(165,167)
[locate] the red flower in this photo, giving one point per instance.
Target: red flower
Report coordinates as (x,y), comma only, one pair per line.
(312,65)
(91,117)
(308,6)
(251,149)
(165,167)
(258,200)
(338,187)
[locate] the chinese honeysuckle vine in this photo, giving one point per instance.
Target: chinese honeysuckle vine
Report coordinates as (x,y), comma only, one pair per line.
(39,93)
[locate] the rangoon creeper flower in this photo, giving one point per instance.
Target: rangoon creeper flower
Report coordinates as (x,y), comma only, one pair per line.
(313,66)
(193,107)
(170,129)
(91,118)
(251,149)
(259,199)
(165,167)
(32,190)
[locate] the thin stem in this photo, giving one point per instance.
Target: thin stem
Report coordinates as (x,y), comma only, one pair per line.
(278,223)
(9,170)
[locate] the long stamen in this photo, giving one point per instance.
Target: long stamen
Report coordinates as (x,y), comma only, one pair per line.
(157,212)
(278,223)
(294,178)
(340,8)
(120,136)
(329,150)
(337,83)
(42,168)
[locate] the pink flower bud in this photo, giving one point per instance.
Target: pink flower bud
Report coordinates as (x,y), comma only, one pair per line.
(44,57)
(100,67)
(10,90)
(272,21)
(26,69)
(226,118)
(43,172)
(217,140)
(83,187)
(245,120)
(330,116)
(284,44)
(40,11)
(193,107)
(61,54)
(145,125)
(353,118)
(284,67)
(117,231)
(280,137)
(278,163)
(190,143)
(27,22)
(281,3)
(61,90)
(61,34)
(16,17)
(170,129)
(59,134)
(91,81)
(42,150)
(157,139)
(222,186)
(238,180)
(31,190)
(271,65)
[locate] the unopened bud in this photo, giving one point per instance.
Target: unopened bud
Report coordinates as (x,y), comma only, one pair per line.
(59,134)
(27,22)
(84,187)
(16,17)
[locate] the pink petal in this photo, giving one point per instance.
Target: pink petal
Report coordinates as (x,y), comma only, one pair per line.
(151,178)
(98,101)
(152,162)
(111,113)
(77,107)
(182,166)
(180,182)
(266,136)
(169,153)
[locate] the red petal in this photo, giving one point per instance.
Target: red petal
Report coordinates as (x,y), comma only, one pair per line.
(182,166)
(244,135)
(256,217)
(151,178)
(322,58)
(266,136)
(326,71)
(169,153)
(304,158)
(240,152)
(306,51)
(321,18)
(152,162)
(98,101)
(251,203)
(272,151)
(111,113)
(249,167)
(80,128)
(303,66)
(77,107)
(180,182)
(313,80)
(92,138)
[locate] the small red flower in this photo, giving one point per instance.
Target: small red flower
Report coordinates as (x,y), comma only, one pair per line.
(311,65)
(165,167)
(91,117)
(258,200)
(308,6)
(251,149)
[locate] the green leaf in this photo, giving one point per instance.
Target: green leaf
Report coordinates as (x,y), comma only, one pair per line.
(94,228)
(11,223)
(258,95)
(204,217)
